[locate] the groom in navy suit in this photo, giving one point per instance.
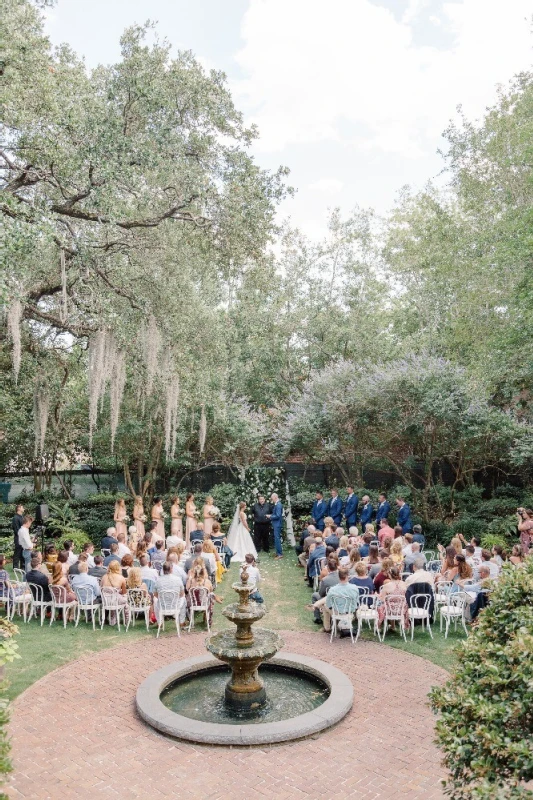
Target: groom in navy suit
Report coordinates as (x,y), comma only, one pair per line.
(276,518)
(351,505)
(318,512)
(334,508)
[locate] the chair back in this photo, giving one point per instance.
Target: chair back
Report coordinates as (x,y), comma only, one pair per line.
(59,594)
(422,601)
(443,587)
(16,589)
(138,599)
(20,575)
(429,554)
(219,547)
(395,605)
(37,592)
(196,541)
(168,600)
(110,597)
(105,551)
(344,605)
(85,595)
(434,566)
(458,600)
(199,597)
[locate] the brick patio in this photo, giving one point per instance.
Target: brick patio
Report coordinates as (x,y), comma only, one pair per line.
(75,734)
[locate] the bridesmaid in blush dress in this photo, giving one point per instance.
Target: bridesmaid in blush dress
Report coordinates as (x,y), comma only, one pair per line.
(176,514)
(139,517)
(190,518)
(157,516)
(120,517)
(207,514)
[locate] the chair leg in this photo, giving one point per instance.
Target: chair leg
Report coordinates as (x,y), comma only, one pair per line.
(191,618)
(429,628)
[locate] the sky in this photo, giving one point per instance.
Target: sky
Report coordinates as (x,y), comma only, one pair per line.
(351,95)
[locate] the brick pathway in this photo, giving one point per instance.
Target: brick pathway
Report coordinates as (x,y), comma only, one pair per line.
(75,734)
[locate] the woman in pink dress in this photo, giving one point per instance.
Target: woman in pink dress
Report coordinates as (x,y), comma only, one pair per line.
(394,586)
(190,518)
(525,526)
(208,516)
(121,517)
(139,517)
(158,516)
(176,514)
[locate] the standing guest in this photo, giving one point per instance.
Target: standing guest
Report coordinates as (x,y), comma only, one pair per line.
(344,593)
(403,516)
(123,549)
(109,539)
(176,521)
(385,531)
(158,515)
(190,518)
(25,541)
(276,518)
(261,510)
(383,509)
(16,524)
(525,527)
(115,580)
(318,512)
(139,517)
(83,579)
(351,504)
(35,576)
(98,571)
(418,536)
(120,517)
(209,514)
(361,579)
(148,573)
(367,512)
(112,557)
(334,507)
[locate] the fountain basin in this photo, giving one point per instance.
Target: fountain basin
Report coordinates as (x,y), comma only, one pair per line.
(335,687)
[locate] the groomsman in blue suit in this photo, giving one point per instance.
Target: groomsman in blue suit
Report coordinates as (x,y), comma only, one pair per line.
(367,512)
(404,515)
(276,518)
(383,508)
(318,512)
(334,508)
(351,504)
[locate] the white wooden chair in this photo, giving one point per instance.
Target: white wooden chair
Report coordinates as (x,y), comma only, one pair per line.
(419,605)
(342,611)
(37,601)
(455,609)
(110,603)
(20,575)
(198,601)
(169,604)
(60,603)
(319,566)
(87,603)
(138,603)
(18,599)
(434,566)
(442,591)
(395,606)
(367,612)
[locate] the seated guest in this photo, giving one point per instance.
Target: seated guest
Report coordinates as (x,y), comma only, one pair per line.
(415,555)
(114,579)
(456,544)
(499,556)
(198,534)
(74,568)
(383,574)
(385,531)
(407,544)
(4,578)
(314,559)
(333,539)
(355,558)
(135,581)
(332,558)
(197,552)
(308,538)
(254,576)
(169,582)
(210,549)
(153,534)
(475,541)
(113,555)
(83,579)
(34,576)
(517,557)
(471,559)
(109,539)
(344,594)
(449,569)
(478,591)
(126,563)
(218,538)
(60,579)
(123,549)
(486,557)
(173,540)
(420,574)
(68,548)
(198,579)
(147,572)
(88,549)
(374,560)
(418,536)
(62,559)
(393,583)
(44,569)
(464,572)
(369,528)
(331,578)
(361,578)
(396,553)
(158,554)
(364,548)
(398,532)
(299,548)
(50,554)
(177,569)
(98,571)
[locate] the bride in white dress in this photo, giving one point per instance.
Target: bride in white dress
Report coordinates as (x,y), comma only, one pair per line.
(239,539)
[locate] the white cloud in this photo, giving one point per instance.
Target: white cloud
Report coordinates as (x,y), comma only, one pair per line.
(349,72)
(326,185)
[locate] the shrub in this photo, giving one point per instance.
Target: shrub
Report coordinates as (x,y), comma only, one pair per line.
(490,540)
(485,726)
(468,526)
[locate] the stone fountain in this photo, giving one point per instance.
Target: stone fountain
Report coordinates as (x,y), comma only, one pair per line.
(243,651)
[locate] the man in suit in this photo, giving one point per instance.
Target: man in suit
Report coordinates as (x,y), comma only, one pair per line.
(383,507)
(314,558)
(367,512)
(318,512)
(403,517)
(261,510)
(351,504)
(334,507)
(276,518)
(109,539)
(16,524)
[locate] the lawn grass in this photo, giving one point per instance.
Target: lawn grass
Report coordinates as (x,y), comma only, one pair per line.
(285,593)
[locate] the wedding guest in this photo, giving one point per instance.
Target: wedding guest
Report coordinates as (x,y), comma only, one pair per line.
(88,549)
(449,568)
(217,537)
(396,552)
(414,555)
(374,561)
(254,576)
(464,571)
(486,558)
(62,559)
(126,564)
(407,548)
(309,538)
(499,556)
(169,582)
(98,571)
(367,512)
(456,544)
(418,536)
(135,581)
(361,578)
(209,513)
(342,551)
(4,578)
(314,559)
(133,538)
(123,549)
(120,517)
(383,509)
(333,539)
(331,558)
(60,579)
(158,515)
(177,568)
(344,592)
(109,539)
(318,512)
(74,569)
(35,577)
(115,580)
(25,541)
(334,507)
(364,548)
(355,558)
(198,580)
(517,557)
(50,555)
(385,531)
(525,527)
(330,579)
(112,557)
(398,532)
(383,574)
(403,515)
(190,518)
(84,579)
(392,586)
(16,524)
(147,572)
(210,549)
(261,511)
(351,504)
(139,517)
(176,521)
(475,541)
(197,552)
(420,574)
(198,534)
(158,555)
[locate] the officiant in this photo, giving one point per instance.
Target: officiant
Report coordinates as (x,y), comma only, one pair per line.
(261,524)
